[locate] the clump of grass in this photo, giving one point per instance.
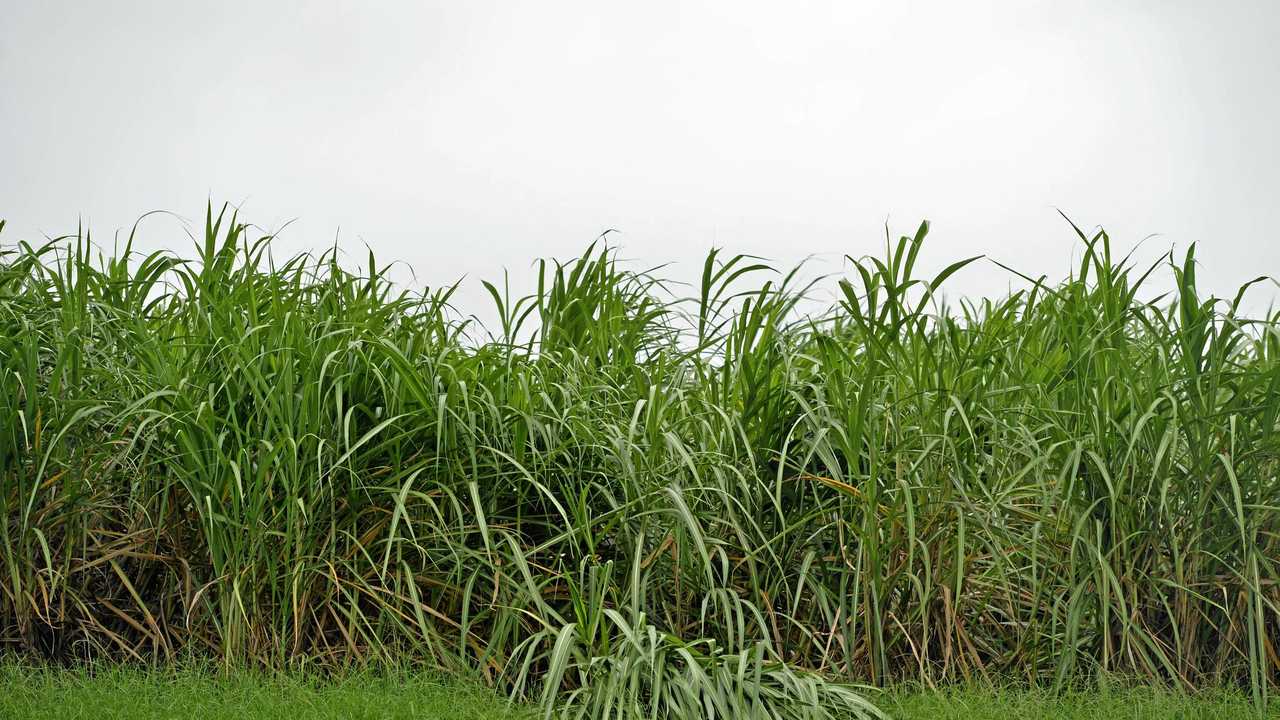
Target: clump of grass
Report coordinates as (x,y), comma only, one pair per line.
(650,673)
(292,463)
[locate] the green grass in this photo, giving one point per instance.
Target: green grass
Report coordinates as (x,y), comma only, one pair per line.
(1118,704)
(637,498)
(118,694)
(112,693)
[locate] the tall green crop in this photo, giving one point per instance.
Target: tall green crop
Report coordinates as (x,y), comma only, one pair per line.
(628,501)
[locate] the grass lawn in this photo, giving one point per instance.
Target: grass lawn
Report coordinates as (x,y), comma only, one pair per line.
(115,694)
(112,694)
(1128,704)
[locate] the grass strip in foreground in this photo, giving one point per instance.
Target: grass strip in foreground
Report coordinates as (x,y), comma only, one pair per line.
(1142,703)
(124,694)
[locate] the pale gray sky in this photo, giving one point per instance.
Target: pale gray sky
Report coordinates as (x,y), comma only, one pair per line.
(466,136)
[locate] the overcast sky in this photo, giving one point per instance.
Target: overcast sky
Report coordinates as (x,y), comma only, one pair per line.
(467,136)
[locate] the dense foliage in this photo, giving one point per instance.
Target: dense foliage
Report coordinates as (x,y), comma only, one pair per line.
(626,499)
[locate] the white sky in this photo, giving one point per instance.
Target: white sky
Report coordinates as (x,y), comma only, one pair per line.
(467,136)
